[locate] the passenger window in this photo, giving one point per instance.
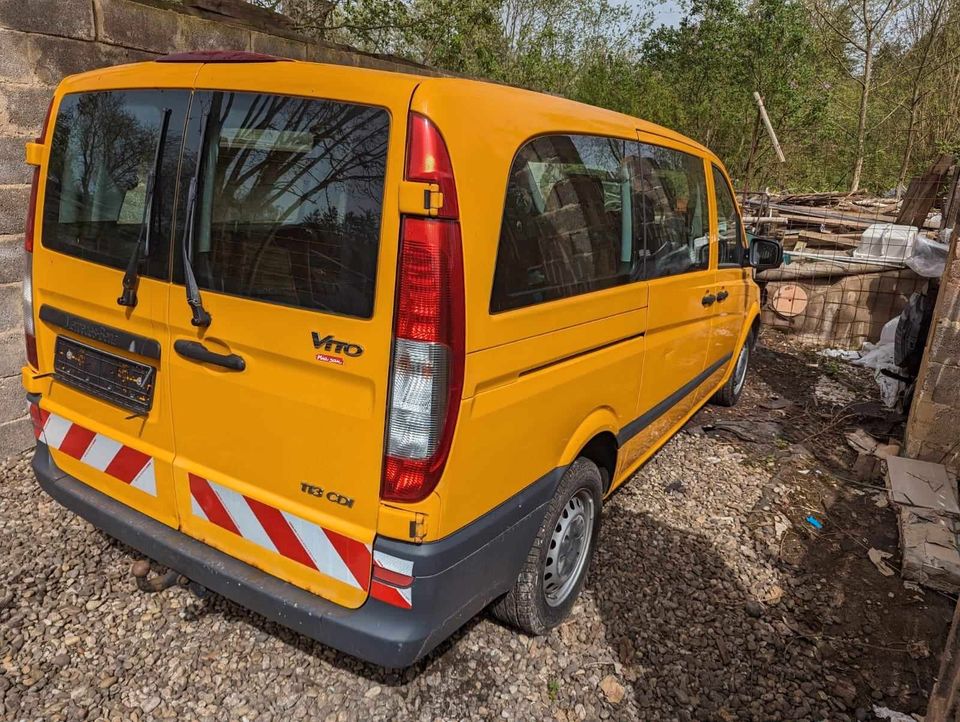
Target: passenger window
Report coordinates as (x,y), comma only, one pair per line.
(728,222)
(670,210)
(102,152)
(290,200)
(567,225)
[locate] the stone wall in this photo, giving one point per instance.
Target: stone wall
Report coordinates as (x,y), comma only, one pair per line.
(933,431)
(41,41)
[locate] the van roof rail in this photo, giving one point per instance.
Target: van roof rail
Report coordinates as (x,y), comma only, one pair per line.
(220,56)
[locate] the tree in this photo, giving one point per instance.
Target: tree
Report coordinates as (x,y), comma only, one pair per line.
(862,25)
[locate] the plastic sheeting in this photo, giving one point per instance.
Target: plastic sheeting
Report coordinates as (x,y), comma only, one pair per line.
(878,356)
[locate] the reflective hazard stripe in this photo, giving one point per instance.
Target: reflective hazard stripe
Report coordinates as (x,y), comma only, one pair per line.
(328,552)
(398,597)
(97,451)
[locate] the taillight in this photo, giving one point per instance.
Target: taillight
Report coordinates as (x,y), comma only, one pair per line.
(429,343)
(429,162)
(29,329)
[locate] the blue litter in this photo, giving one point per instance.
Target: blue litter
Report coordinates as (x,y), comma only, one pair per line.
(814,522)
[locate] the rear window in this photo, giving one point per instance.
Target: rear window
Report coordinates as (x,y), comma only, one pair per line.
(290,199)
(102,151)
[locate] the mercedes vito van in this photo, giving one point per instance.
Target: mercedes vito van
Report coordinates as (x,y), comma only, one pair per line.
(366,351)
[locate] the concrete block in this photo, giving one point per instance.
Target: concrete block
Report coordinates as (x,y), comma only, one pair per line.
(13,208)
(11,259)
(11,307)
(143,26)
(195,33)
(22,110)
(281,47)
(12,403)
(944,385)
(932,424)
(12,353)
(16,435)
(13,171)
(66,18)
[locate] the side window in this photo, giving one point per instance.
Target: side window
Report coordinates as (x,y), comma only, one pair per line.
(669,210)
(728,221)
(567,226)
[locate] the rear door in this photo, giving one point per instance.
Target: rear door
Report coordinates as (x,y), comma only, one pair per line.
(107,416)
(279,403)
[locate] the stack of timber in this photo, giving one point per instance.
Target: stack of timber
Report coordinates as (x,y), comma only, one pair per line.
(825,293)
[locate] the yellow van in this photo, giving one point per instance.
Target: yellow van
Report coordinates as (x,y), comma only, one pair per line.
(365,351)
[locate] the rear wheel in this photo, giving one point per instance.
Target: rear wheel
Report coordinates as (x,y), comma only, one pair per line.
(729,394)
(556,567)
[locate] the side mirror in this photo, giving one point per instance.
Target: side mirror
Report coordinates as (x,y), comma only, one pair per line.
(765,253)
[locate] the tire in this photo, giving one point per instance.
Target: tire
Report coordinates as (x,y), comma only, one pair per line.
(729,394)
(537,603)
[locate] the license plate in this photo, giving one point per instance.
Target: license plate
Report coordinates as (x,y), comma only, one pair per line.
(124,383)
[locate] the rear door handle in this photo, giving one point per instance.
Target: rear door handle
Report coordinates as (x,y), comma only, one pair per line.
(708,300)
(722,296)
(198,352)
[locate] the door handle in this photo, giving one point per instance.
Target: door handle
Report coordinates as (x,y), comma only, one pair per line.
(722,296)
(708,300)
(198,352)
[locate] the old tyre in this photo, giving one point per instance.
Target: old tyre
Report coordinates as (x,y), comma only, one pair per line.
(555,569)
(730,392)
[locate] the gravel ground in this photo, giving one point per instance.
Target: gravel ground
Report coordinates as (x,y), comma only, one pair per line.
(709,601)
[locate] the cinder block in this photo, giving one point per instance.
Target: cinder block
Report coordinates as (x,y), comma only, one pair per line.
(16,435)
(11,259)
(944,383)
(66,18)
(12,404)
(13,208)
(13,170)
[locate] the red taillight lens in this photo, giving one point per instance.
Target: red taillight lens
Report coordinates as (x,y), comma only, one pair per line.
(429,162)
(427,358)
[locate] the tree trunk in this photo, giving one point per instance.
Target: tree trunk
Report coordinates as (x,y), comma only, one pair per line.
(908,146)
(862,119)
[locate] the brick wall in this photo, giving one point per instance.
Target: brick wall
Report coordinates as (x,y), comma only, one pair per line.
(933,431)
(41,41)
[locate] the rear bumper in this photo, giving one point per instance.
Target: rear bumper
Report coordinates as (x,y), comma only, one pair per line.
(455,577)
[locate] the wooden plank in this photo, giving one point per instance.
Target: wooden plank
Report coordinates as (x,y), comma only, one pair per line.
(951,214)
(944,693)
(922,193)
(819,240)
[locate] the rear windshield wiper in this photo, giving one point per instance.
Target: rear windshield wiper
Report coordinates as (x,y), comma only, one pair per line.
(132,275)
(200,315)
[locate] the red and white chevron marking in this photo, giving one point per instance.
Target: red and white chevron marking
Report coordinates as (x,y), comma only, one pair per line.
(392,580)
(330,553)
(95,450)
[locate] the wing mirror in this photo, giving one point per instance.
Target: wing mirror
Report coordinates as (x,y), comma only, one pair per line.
(765,253)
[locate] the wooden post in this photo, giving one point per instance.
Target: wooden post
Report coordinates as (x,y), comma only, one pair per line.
(769,126)
(944,694)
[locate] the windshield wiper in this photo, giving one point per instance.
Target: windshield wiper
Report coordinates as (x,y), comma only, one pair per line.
(200,315)
(131,277)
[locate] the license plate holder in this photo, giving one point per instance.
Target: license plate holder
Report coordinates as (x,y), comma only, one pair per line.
(115,379)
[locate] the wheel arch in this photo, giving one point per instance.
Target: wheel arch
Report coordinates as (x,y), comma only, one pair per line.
(596,439)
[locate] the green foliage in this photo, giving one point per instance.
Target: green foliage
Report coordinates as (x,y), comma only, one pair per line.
(700,75)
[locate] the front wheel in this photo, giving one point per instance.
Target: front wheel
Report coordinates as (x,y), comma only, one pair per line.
(556,567)
(729,394)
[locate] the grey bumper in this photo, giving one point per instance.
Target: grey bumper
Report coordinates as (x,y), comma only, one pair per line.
(456,577)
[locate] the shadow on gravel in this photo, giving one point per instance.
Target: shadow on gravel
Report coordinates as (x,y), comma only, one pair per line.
(694,644)
(211,603)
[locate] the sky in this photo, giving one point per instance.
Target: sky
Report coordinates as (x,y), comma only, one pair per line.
(667,13)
